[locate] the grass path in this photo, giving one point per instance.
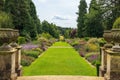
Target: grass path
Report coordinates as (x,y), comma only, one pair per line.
(60,61)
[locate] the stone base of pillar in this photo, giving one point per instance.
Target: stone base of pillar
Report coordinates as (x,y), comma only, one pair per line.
(113,76)
(19,71)
(4,75)
(106,77)
(13,76)
(102,72)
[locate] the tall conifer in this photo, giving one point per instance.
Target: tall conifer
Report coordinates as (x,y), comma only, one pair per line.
(81,17)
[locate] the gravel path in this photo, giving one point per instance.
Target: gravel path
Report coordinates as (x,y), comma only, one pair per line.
(59,78)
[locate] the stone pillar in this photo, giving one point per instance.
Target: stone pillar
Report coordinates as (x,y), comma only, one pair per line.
(103,66)
(7,63)
(113,65)
(103,63)
(18,67)
(18,61)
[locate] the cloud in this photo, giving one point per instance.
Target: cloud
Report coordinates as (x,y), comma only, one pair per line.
(42,1)
(61,17)
(58,11)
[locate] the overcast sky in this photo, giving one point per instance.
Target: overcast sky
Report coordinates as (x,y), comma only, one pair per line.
(60,12)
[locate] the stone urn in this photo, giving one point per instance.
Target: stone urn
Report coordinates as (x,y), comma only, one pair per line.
(13,43)
(108,37)
(6,36)
(116,39)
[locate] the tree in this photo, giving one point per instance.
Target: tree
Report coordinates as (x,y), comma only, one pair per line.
(38,26)
(5,20)
(111,11)
(67,33)
(73,33)
(53,30)
(22,15)
(93,21)
(45,26)
(33,14)
(81,17)
(1,5)
(50,28)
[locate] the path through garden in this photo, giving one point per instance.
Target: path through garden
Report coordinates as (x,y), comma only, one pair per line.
(60,59)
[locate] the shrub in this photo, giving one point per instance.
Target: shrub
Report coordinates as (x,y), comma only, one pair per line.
(93,41)
(101,41)
(74,43)
(21,40)
(91,47)
(116,24)
(82,54)
(42,39)
(45,35)
(26,60)
(93,57)
(61,38)
(38,49)
(86,38)
(32,53)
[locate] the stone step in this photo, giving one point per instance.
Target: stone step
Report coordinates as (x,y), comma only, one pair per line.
(59,78)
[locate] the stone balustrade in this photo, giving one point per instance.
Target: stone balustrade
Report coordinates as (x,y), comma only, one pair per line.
(10,55)
(110,57)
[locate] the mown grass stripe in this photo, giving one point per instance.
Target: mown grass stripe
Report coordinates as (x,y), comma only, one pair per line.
(60,61)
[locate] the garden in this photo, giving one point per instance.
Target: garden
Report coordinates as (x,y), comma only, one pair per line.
(60,59)
(50,56)
(88,48)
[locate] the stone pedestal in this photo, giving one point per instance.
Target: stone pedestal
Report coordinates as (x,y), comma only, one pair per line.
(18,61)
(103,62)
(18,67)
(113,65)
(7,65)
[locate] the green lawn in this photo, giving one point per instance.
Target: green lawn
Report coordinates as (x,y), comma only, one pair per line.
(59,61)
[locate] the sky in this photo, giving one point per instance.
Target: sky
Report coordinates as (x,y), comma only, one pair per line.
(60,12)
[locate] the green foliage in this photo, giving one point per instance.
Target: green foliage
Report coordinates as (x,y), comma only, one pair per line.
(5,20)
(24,16)
(110,12)
(86,38)
(93,23)
(81,17)
(67,34)
(42,39)
(1,5)
(101,41)
(93,41)
(32,53)
(28,56)
(75,43)
(61,38)
(38,50)
(92,45)
(116,24)
(21,40)
(93,58)
(50,28)
(45,35)
(26,60)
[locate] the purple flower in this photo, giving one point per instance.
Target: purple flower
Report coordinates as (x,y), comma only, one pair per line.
(29,46)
